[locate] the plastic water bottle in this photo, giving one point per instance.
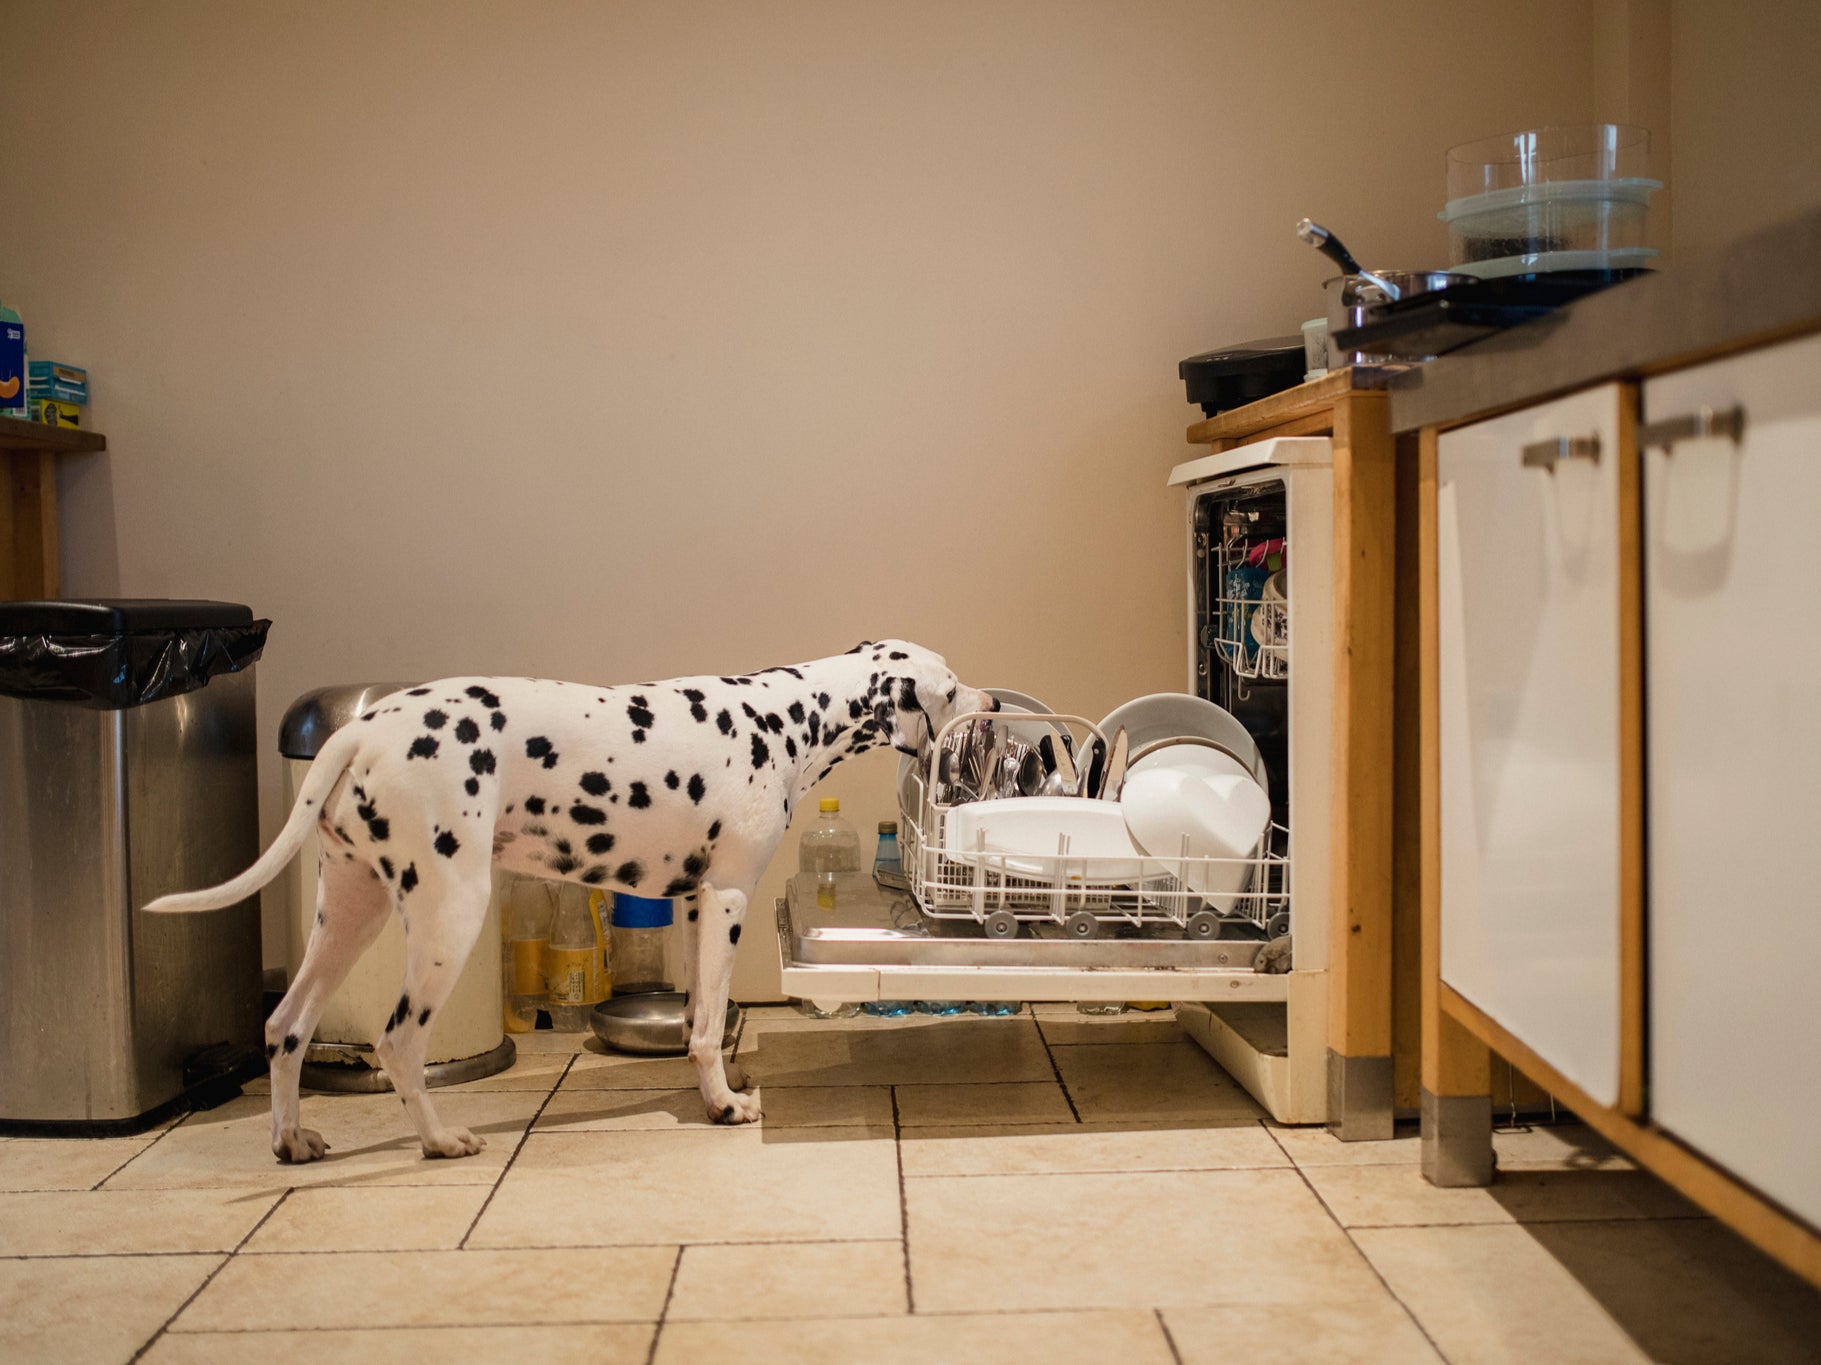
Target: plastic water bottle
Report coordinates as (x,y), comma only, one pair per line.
(640,926)
(888,862)
(828,849)
(889,1009)
(530,908)
(572,960)
(995,1009)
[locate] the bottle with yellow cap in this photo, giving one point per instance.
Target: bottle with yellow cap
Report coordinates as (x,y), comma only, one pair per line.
(828,849)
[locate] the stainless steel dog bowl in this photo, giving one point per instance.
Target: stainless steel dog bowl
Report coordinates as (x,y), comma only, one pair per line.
(650,1023)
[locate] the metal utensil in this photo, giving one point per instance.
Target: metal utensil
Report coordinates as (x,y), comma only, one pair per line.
(1067,778)
(1330,246)
(1091,762)
(1116,766)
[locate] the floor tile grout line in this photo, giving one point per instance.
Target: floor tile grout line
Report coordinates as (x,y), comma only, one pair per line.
(209,1279)
(1360,1251)
(1169,1338)
(657,1329)
(157,1138)
(522,1139)
(1056,1069)
(910,1291)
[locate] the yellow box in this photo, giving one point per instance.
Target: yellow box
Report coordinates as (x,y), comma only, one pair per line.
(54,413)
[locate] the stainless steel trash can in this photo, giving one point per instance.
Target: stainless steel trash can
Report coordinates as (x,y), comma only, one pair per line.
(128,770)
(467,1038)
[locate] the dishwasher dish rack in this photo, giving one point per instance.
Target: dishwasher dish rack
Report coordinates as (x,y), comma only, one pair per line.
(1249,624)
(1087,895)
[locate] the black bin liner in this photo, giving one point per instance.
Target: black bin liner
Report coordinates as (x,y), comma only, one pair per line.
(114,654)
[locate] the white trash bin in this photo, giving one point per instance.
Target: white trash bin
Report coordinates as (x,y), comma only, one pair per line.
(468,1038)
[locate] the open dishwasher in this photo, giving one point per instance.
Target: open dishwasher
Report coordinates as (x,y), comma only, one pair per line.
(1061,919)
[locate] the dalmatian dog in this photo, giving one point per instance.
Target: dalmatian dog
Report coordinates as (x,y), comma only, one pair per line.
(680,789)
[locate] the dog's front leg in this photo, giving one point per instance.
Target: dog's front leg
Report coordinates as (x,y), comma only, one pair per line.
(721,913)
(691,923)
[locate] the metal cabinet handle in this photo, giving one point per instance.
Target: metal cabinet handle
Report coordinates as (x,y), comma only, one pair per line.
(1704,421)
(1545,454)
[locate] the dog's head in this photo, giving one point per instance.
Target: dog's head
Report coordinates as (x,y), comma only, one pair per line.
(918,694)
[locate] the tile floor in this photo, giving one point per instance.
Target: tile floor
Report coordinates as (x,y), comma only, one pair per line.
(1051,1187)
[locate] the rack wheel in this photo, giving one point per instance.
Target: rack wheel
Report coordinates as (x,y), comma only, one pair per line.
(1278,925)
(1082,924)
(1203,924)
(1002,924)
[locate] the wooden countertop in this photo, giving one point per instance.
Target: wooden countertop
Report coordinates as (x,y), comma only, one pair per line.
(1302,411)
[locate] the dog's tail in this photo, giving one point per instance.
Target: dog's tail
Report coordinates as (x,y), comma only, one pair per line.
(324,773)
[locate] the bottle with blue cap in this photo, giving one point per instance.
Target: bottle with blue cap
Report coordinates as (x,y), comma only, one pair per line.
(640,929)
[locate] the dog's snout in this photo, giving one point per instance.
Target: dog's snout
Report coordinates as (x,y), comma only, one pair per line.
(994,701)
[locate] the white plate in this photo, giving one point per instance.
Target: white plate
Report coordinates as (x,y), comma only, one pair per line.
(1173,815)
(1171,715)
(1022,834)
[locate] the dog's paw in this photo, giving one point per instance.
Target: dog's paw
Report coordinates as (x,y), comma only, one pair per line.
(737,1109)
(295,1146)
(453,1142)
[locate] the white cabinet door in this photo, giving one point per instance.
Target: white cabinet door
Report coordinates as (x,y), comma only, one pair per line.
(1732,613)
(1529,697)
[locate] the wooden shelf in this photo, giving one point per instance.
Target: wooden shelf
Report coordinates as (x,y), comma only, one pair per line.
(16,434)
(28,502)
(1300,411)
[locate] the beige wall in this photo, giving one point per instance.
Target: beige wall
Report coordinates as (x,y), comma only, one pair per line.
(617,341)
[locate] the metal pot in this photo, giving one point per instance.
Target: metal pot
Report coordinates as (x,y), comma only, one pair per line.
(1354,300)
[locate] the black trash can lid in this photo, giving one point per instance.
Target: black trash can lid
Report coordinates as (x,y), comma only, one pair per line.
(118,616)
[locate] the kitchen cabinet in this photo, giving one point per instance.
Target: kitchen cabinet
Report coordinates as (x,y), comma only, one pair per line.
(1528,579)
(1732,610)
(1620,751)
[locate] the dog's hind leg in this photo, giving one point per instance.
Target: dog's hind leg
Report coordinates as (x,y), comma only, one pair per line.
(692,914)
(717,935)
(443,916)
(351,908)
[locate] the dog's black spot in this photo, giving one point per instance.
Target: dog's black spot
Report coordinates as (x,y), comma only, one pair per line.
(631,872)
(534,804)
(466,730)
(446,844)
(695,864)
(898,654)
(399,1015)
(774,722)
(725,721)
(407,880)
(594,876)
(714,830)
(539,747)
(639,714)
(562,846)
(697,788)
(638,798)
(790,746)
(563,864)
(681,886)
(595,784)
(759,752)
(907,697)
(424,746)
(600,843)
(423,1016)
(671,780)
(733,934)
(485,698)
(499,720)
(482,762)
(693,914)
(733,682)
(418,692)
(290,1042)
(855,710)
(385,866)
(797,713)
(473,787)
(638,736)
(727,1114)
(815,727)
(696,709)
(271,1051)
(587,815)
(436,719)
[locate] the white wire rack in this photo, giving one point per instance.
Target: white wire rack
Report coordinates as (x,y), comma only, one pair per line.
(1251,626)
(1086,895)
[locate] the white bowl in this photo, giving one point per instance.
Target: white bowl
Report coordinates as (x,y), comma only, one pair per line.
(1191,816)
(1150,720)
(1022,835)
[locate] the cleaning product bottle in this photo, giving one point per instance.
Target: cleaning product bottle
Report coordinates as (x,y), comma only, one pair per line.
(829,849)
(572,960)
(12,363)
